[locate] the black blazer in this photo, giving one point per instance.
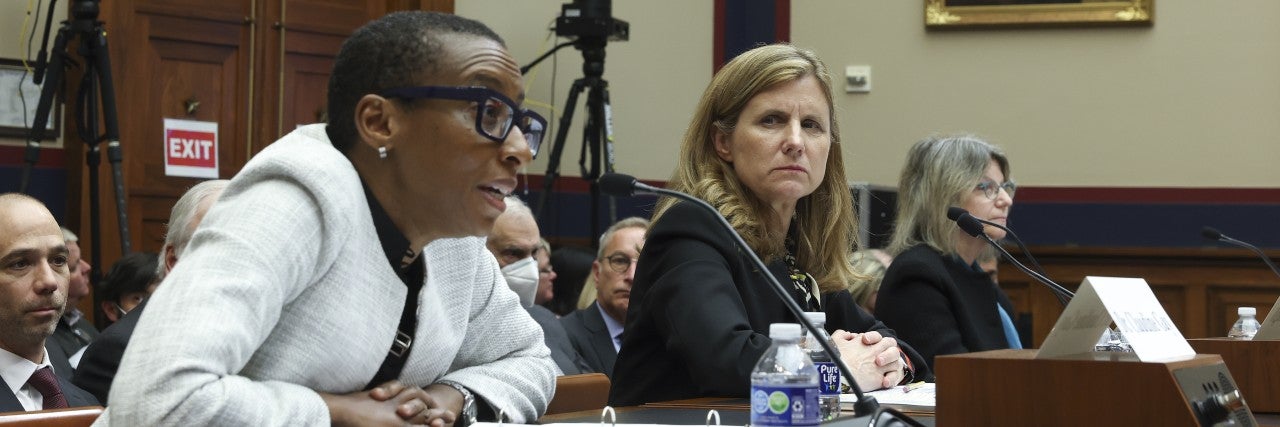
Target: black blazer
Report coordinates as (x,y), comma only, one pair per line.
(700,313)
(74,395)
(941,305)
(590,336)
(569,361)
(101,360)
(69,339)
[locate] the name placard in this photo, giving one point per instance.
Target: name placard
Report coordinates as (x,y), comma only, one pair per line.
(1270,329)
(1135,310)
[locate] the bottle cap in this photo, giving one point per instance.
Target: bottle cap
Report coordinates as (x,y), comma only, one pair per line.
(816,317)
(784,331)
(1247,311)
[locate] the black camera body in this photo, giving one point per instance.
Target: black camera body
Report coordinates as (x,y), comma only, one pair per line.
(591,20)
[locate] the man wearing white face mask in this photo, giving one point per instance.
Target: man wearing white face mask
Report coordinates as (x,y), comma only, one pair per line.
(514,240)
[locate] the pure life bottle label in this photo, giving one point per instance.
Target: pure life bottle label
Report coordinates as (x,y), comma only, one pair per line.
(784,406)
(828,377)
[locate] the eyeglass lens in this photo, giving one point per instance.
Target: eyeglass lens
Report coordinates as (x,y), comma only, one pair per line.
(620,263)
(497,120)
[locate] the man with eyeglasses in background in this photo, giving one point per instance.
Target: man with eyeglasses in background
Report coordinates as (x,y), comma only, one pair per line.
(596,331)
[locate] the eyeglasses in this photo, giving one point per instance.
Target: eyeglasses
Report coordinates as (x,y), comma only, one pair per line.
(992,190)
(620,263)
(495,120)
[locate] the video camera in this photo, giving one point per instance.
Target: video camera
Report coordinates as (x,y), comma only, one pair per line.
(591,20)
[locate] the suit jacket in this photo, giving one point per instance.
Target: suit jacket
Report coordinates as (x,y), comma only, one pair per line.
(699,314)
(101,360)
(562,352)
(941,305)
(590,337)
(74,395)
(69,339)
(59,359)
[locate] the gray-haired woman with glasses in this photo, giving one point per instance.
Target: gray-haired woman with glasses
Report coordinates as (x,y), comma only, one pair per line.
(934,294)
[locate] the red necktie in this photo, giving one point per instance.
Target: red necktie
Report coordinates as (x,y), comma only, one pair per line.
(47,384)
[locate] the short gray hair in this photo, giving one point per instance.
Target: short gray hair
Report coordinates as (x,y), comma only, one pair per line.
(178,229)
(69,236)
(630,222)
(515,206)
(939,172)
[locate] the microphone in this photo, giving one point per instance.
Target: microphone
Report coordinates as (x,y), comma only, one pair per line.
(619,185)
(954,212)
(1213,234)
(973,227)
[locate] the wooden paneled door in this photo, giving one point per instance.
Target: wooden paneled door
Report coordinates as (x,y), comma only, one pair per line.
(258,68)
(300,39)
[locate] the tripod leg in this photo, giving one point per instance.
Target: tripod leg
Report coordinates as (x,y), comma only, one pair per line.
(557,147)
(592,130)
(54,76)
(606,111)
(114,155)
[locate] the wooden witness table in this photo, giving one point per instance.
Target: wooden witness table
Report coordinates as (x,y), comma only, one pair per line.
(733,412)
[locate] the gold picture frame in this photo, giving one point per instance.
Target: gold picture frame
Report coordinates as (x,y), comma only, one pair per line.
(949,14)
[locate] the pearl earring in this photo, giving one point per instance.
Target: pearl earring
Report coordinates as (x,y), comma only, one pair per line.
(382,152)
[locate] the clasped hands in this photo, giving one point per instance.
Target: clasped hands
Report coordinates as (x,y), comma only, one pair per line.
(395,404)
(875,360)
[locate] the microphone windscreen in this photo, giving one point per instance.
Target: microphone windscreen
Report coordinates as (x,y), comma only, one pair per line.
(969,224)
(617,185)
(1211,233)
(953,213)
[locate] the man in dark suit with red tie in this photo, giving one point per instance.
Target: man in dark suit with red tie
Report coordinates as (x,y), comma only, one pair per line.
(34,279)
(596,331)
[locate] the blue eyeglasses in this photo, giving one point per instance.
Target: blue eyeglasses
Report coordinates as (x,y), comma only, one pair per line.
(494,119)
(992,190)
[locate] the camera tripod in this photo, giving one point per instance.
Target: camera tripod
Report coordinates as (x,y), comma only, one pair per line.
(97,78)
(597,132)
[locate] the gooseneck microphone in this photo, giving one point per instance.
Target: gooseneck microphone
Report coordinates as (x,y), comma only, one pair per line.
(954,212)
(974,227)
(1213,234)
(619,185)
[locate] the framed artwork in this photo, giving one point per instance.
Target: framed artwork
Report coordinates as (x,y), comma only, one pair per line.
(18,99)
(963,14)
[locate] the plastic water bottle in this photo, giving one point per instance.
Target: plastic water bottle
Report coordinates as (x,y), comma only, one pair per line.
(784,383)
(1247,326)
(828,370)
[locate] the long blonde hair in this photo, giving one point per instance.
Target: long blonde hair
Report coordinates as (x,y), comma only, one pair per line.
(939,172)
(824,220)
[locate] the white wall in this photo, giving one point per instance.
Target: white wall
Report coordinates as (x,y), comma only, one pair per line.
(1192,101)
(654,79)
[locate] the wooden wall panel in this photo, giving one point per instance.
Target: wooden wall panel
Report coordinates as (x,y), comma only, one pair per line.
(1200,288)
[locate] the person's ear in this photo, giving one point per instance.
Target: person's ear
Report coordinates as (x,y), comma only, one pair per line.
(170,258)
(595,272)
(110,311)
(721,141)
(376,121)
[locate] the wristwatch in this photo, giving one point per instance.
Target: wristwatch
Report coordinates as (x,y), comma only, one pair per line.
(468,415)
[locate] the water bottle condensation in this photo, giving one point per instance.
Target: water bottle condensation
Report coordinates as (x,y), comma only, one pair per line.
(784,383)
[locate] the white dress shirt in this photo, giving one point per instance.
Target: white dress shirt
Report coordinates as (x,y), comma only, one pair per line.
(16,370)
